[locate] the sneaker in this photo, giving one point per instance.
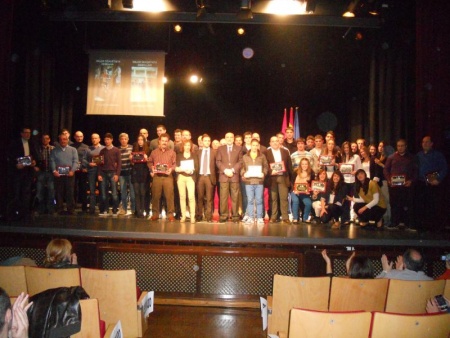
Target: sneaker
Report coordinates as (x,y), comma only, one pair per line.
(249,221)
(260,221)
(246,217)
(103,214)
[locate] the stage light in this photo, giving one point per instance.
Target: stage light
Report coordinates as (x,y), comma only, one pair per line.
(154,6)
(286,7)
(177,28)
(241,31)
(195,79)
(164,80)
(350,12)
(245,12)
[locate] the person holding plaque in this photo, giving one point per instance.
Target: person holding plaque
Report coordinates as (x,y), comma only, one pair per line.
(301,191)
(187,171)
(329,157)
(254,169)
(369,202)
(162,163)
(400,172)
(63,163)
(318,188)
(280,173)
(332,199)
(140,174)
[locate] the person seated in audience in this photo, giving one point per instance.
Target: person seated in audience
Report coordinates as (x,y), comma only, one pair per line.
(14,319)
(358,267)
(59,255)
(316,196)
(305,175)
(433,307)
(331,208)
(446,274)
(369,202)
(409,266)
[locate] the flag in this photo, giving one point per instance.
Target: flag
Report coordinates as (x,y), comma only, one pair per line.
(296,125)
(291,118)
(284,125)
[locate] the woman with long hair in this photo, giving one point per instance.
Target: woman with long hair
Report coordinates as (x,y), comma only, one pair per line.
(332,200)
(140,174)
(358,267)
(368,164)
(59,255)
(369,202)
(187,170)
(331,150)
(304,176)
(380,160)
(316,195)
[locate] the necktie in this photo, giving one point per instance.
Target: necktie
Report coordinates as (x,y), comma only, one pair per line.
(229,154)
(205,162)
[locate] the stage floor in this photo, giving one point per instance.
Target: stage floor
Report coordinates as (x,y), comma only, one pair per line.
(228,233)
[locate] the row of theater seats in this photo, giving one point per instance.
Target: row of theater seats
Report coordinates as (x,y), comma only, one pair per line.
(313,324)
(345,294)
(112,295)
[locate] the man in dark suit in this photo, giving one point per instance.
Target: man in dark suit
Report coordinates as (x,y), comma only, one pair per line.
(229,161)
(20,151)
(206,179)
(280,174)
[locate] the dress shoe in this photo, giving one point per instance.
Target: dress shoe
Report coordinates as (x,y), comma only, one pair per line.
(171,219)
(154,218)
(274,220)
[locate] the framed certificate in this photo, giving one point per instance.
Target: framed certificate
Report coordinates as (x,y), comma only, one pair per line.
(346,168)
(24,160)
(254,171)
(398,180)
(318,186)
(138,157)
(63,170)
(161,168)
(98,159)
(325,159)
(278,166)
(187,165)
(301,188)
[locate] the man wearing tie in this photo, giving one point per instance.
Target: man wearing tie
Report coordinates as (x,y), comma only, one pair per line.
(229,161)
(206,179)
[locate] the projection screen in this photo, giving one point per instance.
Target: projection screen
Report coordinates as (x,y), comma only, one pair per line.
(126,83)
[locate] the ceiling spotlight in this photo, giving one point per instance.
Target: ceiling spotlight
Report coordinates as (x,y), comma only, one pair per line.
(194,79)
(128,4)
(350,11)
(241,31)
(245,12)
(177,28)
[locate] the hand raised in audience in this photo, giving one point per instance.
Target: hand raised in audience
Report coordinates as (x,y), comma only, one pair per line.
(399,265)
(74,259)
(19,325)
(327,260)
(387,266)
(347,263)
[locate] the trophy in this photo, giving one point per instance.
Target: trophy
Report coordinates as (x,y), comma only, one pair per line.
(98,159)
(160,168)
(138,157)
(63,170)
(398,180)
(24,160)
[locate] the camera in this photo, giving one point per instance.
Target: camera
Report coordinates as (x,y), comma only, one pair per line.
(442,304)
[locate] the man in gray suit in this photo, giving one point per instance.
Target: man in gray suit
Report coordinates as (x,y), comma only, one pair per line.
(229,161)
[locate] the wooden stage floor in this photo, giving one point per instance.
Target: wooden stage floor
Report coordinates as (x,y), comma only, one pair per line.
(228,233)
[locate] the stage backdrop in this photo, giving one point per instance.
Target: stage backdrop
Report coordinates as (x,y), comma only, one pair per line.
(126,83)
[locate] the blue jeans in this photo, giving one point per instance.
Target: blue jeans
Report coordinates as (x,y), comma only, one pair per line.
(108,181)
(125,181)
(45,179)
(306,200)
(254,193)
(92,178)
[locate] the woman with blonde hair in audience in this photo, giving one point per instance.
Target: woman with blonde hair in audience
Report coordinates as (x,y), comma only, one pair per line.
(59,255)
(187,171)
(305,175)
(140,175)
(316,195)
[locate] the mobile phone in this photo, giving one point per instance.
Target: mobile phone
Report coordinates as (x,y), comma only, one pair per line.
(442,304)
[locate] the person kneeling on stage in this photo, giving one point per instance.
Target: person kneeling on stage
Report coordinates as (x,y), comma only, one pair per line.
(369,202)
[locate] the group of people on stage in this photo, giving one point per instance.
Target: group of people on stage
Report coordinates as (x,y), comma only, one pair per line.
(306,180)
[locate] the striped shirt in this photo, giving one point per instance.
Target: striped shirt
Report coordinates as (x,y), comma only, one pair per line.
(125,153)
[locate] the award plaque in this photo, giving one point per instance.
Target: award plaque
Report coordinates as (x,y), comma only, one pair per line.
(318,186)
(24,160)
(346,168)
(431,177)
(325,159)
(187,165)
(63,170)
(301,188)
(138,157)
(254,171)
(98,159)
(398,180)
(278,167)
(160,168)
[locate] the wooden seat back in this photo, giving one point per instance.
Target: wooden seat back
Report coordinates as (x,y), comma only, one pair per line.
(349,294)
(40,279)
(288,292)
(447,289)
(313,324)
(116,294)
(411,296)
(411,326)
(13,280)
(90,319)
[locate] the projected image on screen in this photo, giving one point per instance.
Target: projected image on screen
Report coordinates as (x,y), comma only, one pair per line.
(126,83)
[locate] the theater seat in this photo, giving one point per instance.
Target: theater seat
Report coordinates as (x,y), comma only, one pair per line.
(41,279)
(13,280)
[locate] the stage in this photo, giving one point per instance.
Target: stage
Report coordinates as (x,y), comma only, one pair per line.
(225,259)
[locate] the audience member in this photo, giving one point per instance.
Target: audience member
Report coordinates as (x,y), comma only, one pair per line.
(59,255)
(433,306)
(14,319)
(446,274)
(358,267)
(407,267)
